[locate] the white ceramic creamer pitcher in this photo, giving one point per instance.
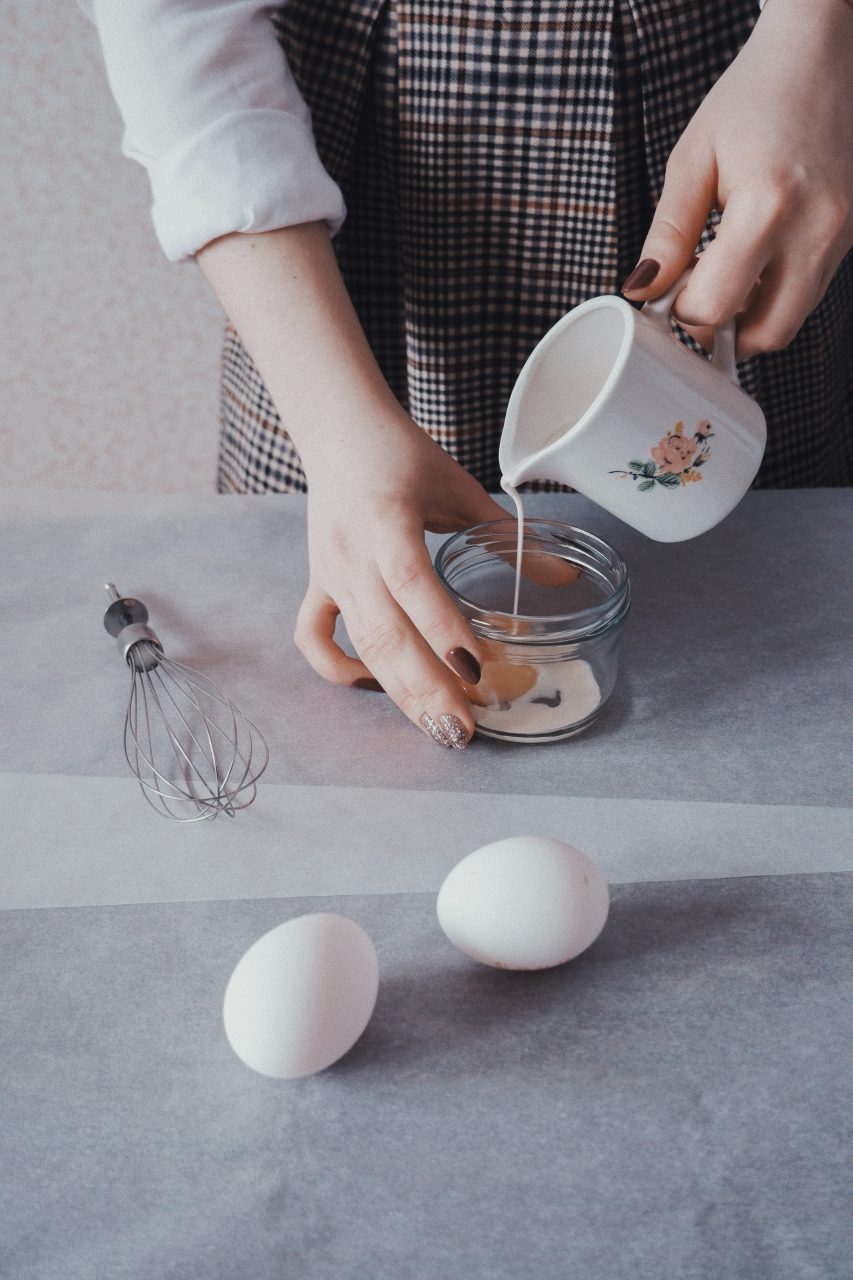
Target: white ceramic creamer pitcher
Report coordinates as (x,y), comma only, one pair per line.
(610,404)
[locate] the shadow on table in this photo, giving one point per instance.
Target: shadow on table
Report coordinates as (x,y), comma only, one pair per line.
(458,1012)
(186,634)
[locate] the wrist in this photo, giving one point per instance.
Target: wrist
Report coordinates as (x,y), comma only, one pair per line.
(358,442)
(807,8)
(810,38)
(286,298)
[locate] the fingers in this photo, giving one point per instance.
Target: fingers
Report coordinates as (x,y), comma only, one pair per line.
(784,299)
(835,261)
(395,658)
(546,569)
(769,263)
(724,279)
(478,508)
(542,567)
(680,218)
(314,638)
(406,566)
(409,672)
(704,334)
(473,506)
(813,233)
(481,508)
(753,269)
(726,273)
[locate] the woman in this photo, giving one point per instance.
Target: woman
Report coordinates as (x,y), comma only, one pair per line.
(498,161)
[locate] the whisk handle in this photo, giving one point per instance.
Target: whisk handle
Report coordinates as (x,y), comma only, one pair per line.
(125,619)
(123,612)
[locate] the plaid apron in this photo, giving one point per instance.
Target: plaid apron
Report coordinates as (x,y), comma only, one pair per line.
(500,160)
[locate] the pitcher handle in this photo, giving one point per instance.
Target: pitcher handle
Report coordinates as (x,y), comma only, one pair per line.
(723,358)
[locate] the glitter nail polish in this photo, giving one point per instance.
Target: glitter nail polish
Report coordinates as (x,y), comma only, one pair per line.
(455,730)
(437,734)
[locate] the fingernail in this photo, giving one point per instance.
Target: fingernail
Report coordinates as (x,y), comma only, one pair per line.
(642,275)
(366,682)
(465,665)
(434,731)
(456,732)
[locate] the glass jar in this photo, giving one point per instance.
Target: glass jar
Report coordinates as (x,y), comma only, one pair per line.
(547,671)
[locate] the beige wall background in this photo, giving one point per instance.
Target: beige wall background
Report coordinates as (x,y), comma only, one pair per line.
(109,359)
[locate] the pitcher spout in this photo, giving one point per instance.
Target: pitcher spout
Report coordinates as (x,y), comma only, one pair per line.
(530,443)
(520,464)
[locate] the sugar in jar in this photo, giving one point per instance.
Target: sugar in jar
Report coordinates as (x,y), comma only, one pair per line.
(548,670)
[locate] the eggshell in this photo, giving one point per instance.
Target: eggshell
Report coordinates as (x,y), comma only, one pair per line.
(301,995)
(528,902)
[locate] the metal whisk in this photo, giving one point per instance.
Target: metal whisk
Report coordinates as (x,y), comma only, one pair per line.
(189,763)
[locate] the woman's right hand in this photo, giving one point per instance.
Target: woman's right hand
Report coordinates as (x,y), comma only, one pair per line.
(369,504)
(376,480)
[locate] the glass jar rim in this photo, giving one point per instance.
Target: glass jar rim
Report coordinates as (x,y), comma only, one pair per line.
(577,623)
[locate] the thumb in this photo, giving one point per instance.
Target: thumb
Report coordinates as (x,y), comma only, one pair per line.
(478,507)
(682,211)
(543,567)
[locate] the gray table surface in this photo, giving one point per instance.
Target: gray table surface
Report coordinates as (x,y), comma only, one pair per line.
(675,1103)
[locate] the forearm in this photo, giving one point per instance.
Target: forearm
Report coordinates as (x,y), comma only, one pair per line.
(801,51)
(283,292)
(798,16)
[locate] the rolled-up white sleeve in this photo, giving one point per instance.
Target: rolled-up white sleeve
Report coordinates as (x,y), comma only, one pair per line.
(211,109)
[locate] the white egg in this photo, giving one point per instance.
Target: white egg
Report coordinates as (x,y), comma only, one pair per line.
(301,995)
(524,903)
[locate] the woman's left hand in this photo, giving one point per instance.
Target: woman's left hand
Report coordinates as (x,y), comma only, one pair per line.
(771,147)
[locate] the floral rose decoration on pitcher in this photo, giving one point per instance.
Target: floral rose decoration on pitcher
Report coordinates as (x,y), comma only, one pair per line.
(675,460)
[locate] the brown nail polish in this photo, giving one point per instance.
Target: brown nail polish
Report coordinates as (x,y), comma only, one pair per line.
(364,682)
(642,275)
(465,665)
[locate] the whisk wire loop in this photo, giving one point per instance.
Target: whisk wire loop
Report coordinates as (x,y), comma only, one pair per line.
(193,752)
(214,692)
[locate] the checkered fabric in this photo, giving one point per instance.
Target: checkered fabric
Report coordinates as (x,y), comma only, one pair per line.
(500,163)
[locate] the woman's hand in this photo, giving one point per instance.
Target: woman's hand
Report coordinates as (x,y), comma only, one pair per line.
(368,562)
(376,480)
(771,147)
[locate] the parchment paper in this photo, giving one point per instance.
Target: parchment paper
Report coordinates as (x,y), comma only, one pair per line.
(82,841)
(736,682)
(672,1104)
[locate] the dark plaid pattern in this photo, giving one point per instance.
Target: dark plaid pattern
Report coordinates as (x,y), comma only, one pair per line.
(500,163)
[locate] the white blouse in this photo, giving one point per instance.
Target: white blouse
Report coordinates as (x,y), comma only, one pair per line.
(211,109)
